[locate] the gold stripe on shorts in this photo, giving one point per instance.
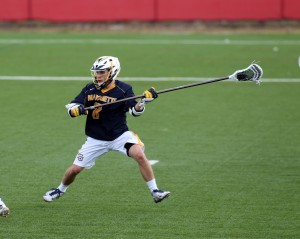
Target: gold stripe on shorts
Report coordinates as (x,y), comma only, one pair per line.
(139,140)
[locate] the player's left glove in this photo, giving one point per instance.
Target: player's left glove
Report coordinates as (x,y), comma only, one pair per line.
(149,95)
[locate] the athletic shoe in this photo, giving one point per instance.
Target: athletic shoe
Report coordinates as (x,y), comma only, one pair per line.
(53,194)
(4,210)
(159,195)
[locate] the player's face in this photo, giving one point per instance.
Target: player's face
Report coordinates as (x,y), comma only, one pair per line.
(101,76)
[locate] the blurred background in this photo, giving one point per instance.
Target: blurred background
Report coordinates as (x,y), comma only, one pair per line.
(118,15)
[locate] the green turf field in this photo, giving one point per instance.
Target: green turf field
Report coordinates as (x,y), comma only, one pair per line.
(229,152)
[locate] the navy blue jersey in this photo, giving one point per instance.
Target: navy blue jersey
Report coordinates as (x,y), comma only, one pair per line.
(107,122)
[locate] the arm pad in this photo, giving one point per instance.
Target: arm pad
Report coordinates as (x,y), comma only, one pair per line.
(136,113)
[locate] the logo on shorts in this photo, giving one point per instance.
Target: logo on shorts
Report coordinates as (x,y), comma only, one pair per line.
(79,157)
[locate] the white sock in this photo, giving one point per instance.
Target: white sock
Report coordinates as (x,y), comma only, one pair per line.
(63,188)
(152,184)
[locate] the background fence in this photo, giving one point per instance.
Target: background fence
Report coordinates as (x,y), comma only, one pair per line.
(147,10)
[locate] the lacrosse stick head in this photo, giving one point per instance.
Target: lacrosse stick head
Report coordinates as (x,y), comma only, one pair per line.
(252,73)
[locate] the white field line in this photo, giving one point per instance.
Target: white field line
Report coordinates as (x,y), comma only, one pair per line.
(149,42)
(146,79)
(152,162)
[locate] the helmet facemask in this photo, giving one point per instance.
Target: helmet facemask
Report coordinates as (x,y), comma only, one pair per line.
(102,84)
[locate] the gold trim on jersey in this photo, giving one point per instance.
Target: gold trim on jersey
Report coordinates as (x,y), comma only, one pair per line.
(109,88)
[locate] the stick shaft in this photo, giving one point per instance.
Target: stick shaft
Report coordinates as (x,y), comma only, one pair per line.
(191,85)
(160,92)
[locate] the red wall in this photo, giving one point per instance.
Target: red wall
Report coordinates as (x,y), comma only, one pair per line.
(148,10)
(92,10)
(219,9)
(14,10)
(291,9)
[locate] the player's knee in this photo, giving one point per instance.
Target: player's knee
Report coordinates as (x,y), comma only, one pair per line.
(135,151)
(75,169)
(139,157)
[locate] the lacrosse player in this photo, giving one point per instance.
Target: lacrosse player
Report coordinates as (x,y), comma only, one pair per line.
(106,128)
(4,210)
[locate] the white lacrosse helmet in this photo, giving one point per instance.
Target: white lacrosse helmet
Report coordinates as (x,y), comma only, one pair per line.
(106,63)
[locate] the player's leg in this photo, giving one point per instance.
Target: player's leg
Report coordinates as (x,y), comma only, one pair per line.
(85,159)
(130,145)
(136,152)
(68,178)
(71,174)
(4,210)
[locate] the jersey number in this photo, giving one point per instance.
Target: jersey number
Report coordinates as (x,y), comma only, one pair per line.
(96,112)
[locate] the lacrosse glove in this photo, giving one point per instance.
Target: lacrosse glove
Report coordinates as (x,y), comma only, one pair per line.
(149,95)
(77,110)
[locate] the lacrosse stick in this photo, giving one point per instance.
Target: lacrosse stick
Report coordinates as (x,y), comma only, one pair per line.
(252,73)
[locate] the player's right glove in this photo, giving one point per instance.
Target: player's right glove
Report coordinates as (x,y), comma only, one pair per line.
(74,110)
